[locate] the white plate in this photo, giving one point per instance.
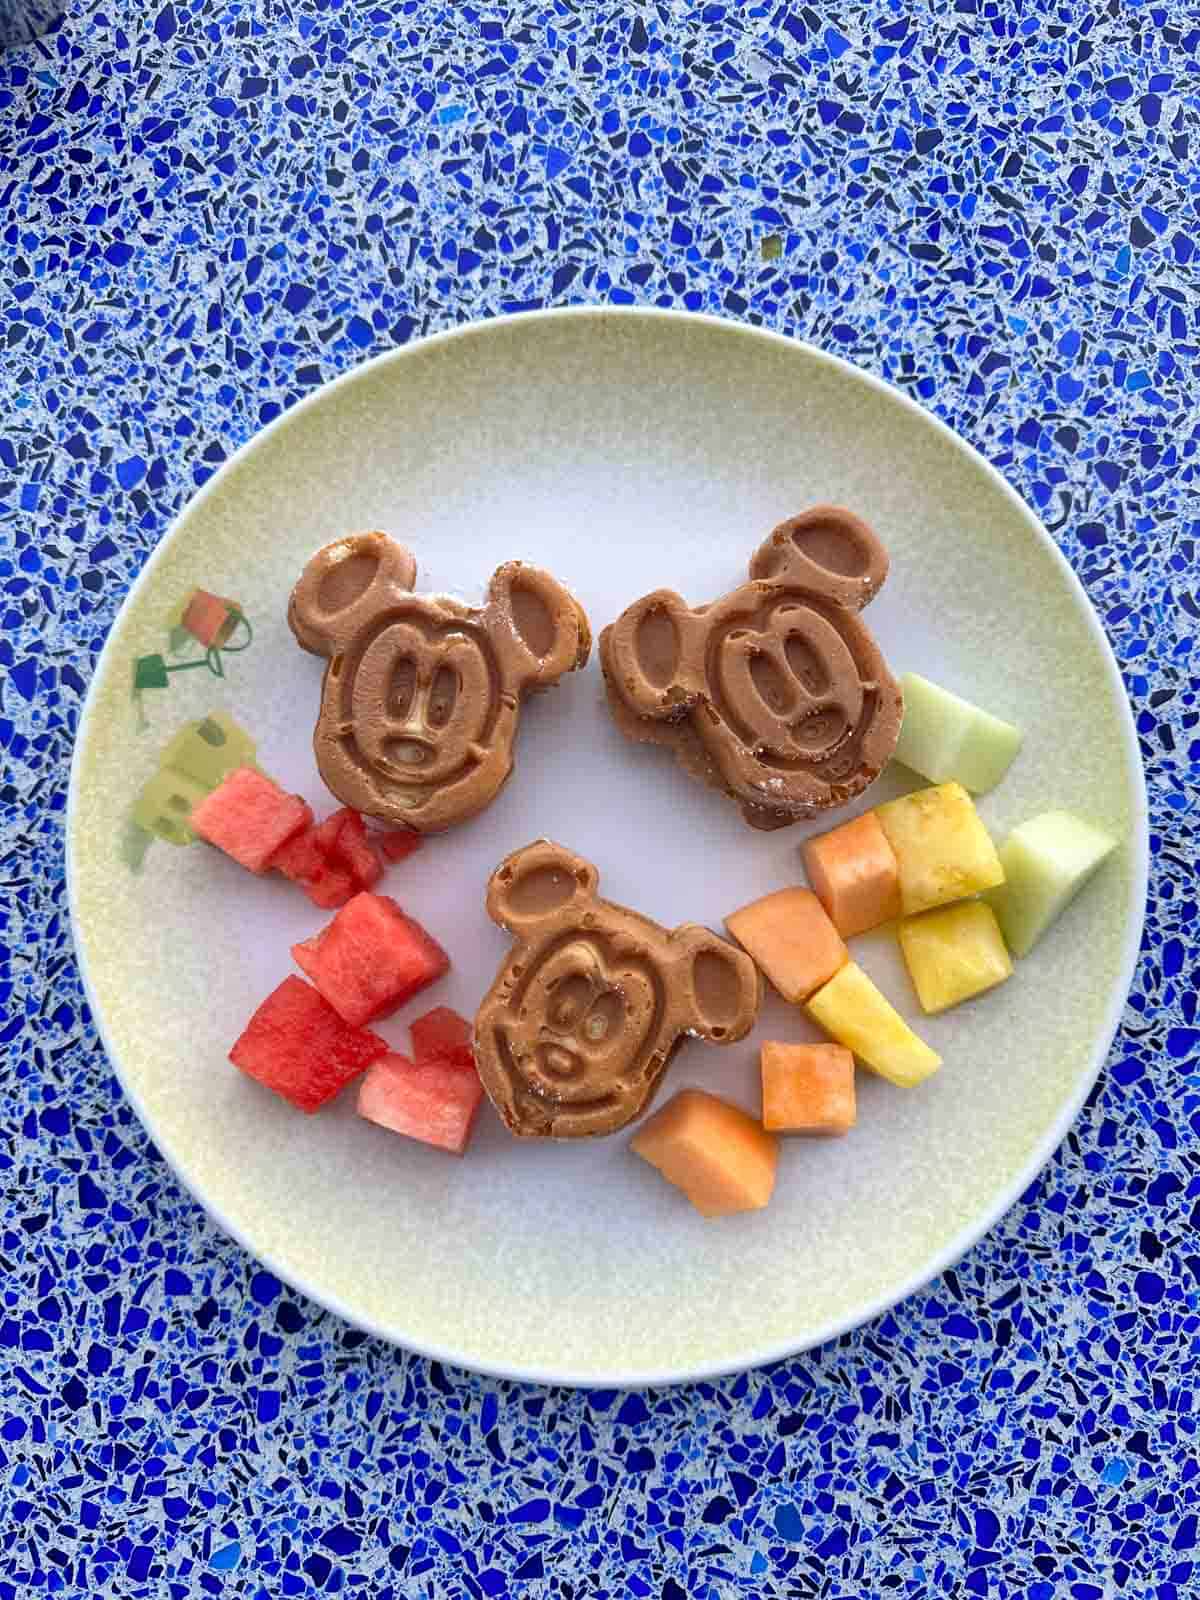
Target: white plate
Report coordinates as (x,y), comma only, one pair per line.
(623,451)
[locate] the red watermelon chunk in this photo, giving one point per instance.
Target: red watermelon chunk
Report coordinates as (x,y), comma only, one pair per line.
(333,861)
(300,859)
(398,843)
(250,818)
(303,861)
(331,889)
(370,959)
(342,839)
(442,1035)
(432,1102)
(296,1044)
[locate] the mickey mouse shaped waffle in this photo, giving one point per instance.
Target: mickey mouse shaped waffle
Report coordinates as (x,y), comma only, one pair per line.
(592,1000)
(776,693)
(422,693)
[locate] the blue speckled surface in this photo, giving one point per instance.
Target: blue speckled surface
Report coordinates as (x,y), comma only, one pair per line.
(208,210)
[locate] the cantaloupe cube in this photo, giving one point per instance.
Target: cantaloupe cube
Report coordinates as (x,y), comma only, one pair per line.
(807,1088)
(944,736)
(851,1010)
(722,1159)
(954,954)
(1046,862)
(853,870)
(943,851)
(792,940)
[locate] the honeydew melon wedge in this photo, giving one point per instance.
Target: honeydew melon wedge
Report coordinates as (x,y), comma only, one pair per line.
(1046,862)
(945,737)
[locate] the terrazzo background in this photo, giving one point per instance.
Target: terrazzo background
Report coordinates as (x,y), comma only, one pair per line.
(208,210)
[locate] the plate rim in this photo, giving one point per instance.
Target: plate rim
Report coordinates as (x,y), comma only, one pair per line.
(1052,1138)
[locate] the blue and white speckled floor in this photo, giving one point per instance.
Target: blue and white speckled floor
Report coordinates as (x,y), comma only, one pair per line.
(209,209)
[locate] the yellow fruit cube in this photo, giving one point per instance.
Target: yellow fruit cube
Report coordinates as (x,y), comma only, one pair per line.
(942,848)
(954,954)
(851,1010)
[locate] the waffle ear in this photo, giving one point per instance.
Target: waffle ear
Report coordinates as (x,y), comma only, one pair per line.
(339,589)
(537,884)
(829,551)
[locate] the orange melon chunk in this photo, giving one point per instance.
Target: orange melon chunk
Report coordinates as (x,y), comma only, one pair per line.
(854,872)
(722,1159)
(792,940)
(807,1088)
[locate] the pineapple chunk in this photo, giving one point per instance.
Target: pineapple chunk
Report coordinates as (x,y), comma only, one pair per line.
(954,954)
(851,1010)
(944,736)
(1046,862)
(942,848)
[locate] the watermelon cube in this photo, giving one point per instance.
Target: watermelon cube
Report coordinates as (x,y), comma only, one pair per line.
(431,1102)
(343,840)
(331,889)
(297,1045)
(249,817)
(370,959)
(302,860)
(398,843)
(332,862)
(442,1035)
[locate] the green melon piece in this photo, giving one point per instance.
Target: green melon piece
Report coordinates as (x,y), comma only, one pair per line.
(1046,862)
(945,737)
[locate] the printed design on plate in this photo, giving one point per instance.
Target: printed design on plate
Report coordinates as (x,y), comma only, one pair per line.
(218,625)
(422,694)
(576,1032)
(777,692)
(199,757)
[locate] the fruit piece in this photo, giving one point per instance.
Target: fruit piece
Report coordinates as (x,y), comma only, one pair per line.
(398,843)
(442,1035)
(807,1088)
(300,859)
(297,1045)
(953,954)
(942,848)
(430,1101)
(722,1159)
(331,889)
(853,870)
(1046,861)
(370,959)
(790,937)
(342,839)
(851,1010)
(944,736)
(249,817)
(333,861)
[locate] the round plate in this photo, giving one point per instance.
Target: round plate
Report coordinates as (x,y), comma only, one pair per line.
(624,451)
